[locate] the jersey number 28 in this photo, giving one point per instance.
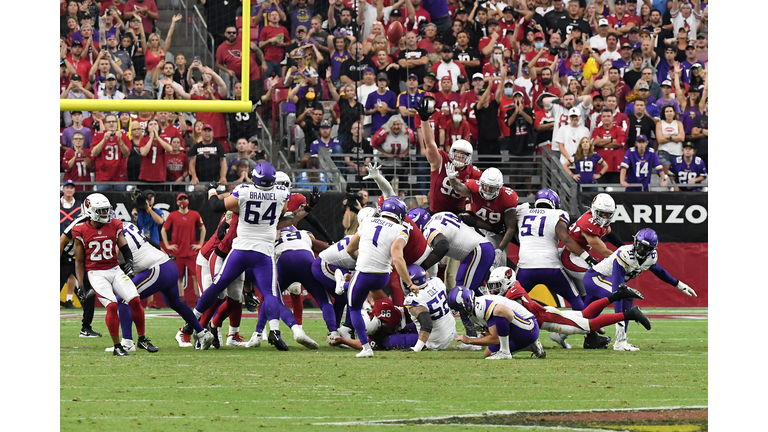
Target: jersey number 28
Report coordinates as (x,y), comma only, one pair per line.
(101,250)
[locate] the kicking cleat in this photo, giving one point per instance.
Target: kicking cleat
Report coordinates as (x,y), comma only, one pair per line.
(305,340)
(594,341)
(215,331)
(119,351)
(636,315)
(366,352)
(127,344)
(538,350)
(500,355)
(339,276)
(560,340)
(144,343)
(624,346)
(255,340)
(89,333)
(203,340)
(236,340)
(626,292)
(275,339)
(183,339)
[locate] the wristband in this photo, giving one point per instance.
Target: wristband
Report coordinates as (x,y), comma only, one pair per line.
(584,255)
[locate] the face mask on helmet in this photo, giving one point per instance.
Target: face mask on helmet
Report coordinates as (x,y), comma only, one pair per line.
(461,154)
(490,183)
(603,208)
(645,243)
(501,280)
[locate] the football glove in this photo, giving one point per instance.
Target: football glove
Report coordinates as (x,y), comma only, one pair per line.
(212,185)
(373,171)
(500,258)
(686,289)
(128,268)
(314,198)
(450,170)
(423,110)
(468,219)
(592,261)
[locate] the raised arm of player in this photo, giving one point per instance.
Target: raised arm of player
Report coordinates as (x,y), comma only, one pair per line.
(429,148)
(399,262)
(510,221)
(375,175)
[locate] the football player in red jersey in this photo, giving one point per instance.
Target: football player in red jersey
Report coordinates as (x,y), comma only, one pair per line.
(385,326)
(442,195)
(95,254)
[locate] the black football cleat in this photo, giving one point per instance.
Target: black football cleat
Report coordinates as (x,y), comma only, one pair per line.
(594,341)
(68,305)
(120,351)
(635,314)
(215,332)
(275,339)
(144,343)
(625,292)
(89,333)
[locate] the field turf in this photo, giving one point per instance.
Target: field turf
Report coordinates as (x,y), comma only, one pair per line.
(239,389)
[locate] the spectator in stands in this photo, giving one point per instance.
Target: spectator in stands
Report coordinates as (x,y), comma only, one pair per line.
(413,58)
(446,99)
(77,161)
(449,67)
(700,132)
(243,154)
(391,143)
(619,119)
(667,98)
(610,142)
(430,82)
(240,173)
(688,169)
(569,136)
(350,110)
(180,74)
(107,152)
(127,84)
(585,162)
(684,16)
(207,160)
(134,40)
(110,91)
(95,122)
(255,153)
(318,35)
(229,60)
(363,91)
(620,89)
(145,9)
(634,71)
(599,40)
(344,25)
(375,41)
(212,88)
(338,56)
(77,127)
(702,48)
(409,100)
(100,71)
(486,110)
(300,13)
(353,69)
(457,129)
(644,94)
(139,91)
(272,41)
(391,70)
(381,104)
(155,53)
(81,63)
(176,163)
(152,149)
(120,57)
(325,141)
(349,222)
(653,86)
(315,176)
(309,128)
(359,148)
(670,135)
(640,123)
(88,37)
(638,166)
(466,55)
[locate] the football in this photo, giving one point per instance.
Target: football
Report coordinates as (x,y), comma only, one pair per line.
(395,32)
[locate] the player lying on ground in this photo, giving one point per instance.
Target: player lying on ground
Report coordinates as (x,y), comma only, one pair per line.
(386,327)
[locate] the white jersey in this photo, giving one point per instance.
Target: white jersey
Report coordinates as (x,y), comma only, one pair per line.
(625,256)
(484,306)
(337,254)
(434,299)
(538,239)
(145,256)
(462,239)
(293,240)
(376,238)
(260,212)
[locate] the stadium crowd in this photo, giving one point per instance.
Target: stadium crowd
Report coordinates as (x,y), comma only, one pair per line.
(619,88)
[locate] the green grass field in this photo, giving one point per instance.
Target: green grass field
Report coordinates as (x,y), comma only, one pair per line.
(238,389)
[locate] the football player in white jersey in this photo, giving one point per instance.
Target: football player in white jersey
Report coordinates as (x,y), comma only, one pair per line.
(511,327)
(429,308)
(259,207)
(155,272)
(540,228)
(625,264)
(378,243)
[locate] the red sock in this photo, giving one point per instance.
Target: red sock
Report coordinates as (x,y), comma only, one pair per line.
(298,307)
(206,317)
(595,308)
(395,291)
(137,313)
(113,321)
(236,313)
(605,320)
(224,310)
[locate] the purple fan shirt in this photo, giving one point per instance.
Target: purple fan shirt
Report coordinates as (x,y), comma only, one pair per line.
(639,167)
(588,167)
(685,172)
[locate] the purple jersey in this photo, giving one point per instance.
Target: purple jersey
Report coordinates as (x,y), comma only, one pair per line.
(685,172)
(314,148)
(337,59)
(377,118)
(408,101)
(587,167)
(639,167)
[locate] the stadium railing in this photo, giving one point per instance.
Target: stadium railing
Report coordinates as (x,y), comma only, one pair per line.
(182,7)
(200,29)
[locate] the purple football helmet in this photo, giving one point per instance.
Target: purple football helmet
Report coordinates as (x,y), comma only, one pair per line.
(645,242)
(263,175)
(547,197)
(461,298)
(418,275)
(419,216)
(289,228)
(393,207)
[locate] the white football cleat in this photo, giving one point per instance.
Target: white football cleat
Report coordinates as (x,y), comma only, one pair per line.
(624,346)
(366,352)
(236,340)
(305,340)
(183,339)
(500,355)
(538,349)
(339,276)
(127,344)
(203,340)
(255,340)
(560,340)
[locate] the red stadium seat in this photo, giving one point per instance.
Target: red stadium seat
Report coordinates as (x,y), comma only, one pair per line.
(279,94)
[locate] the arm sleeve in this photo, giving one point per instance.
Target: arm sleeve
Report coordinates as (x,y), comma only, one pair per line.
(663,274)
(614,239)
(216,204)
(618,275)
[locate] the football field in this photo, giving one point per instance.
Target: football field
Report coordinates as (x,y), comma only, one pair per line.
(663,387)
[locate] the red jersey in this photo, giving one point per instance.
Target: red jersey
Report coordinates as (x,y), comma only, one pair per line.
(468,102)
(616,22)
(416,245)
(539,88)
(100,244)
(110,164)
(612,157)
(619,119)
(175,165)
(231,58)
(295,203)
(413,24)
(389,314)
(491,211)
(544,61)
(153,164)
(451,101)
(441,193)
(82,66)
(436,122)
(505,105)
(226,243)
(518,292)
(484,41)
(183,227)
(172,131)
(214,241)
(584,224)
(79,171)
(453,133)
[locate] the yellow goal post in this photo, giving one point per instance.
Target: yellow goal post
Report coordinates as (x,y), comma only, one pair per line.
(156,105)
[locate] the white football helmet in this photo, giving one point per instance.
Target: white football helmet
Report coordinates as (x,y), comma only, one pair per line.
(493,180)
(364,213)
(501,280)
(98,208)
(460,160)
(603,208)
(282,178)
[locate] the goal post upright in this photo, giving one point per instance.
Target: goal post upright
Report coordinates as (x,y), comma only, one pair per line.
(245,54)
